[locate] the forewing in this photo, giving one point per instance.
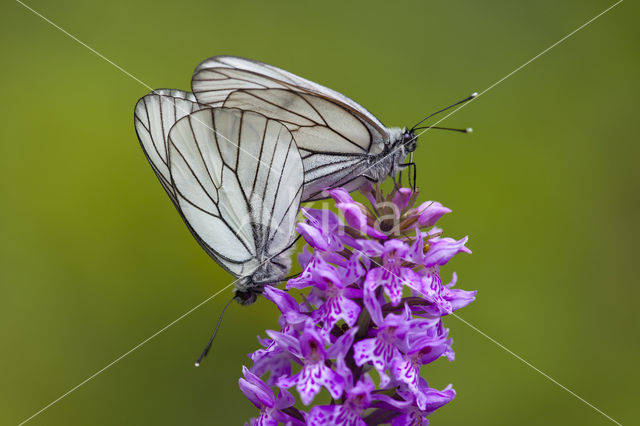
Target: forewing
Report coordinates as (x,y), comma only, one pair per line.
(218,80)
(154,116)
(238,179)
(211,73)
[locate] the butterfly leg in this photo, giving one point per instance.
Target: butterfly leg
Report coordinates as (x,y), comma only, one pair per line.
(412,176)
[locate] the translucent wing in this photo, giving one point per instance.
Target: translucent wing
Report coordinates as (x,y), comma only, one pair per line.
(154,116)
(334,133)
(238,179)
(218,76)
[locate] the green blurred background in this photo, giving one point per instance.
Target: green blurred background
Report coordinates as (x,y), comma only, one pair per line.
(95,259)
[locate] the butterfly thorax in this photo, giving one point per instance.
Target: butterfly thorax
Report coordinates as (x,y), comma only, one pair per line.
(389,161)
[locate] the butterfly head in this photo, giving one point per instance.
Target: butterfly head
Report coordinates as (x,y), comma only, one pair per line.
(409,141)
(247,297)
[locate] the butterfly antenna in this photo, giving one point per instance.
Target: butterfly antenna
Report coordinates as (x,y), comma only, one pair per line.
(453,129)
(213,336)
(468,98)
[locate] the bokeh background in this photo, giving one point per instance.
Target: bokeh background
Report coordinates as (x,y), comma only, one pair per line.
(94,259)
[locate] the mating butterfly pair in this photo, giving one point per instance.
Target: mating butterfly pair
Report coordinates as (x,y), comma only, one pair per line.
(239,155)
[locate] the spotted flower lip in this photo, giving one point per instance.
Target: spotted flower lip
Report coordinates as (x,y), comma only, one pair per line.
(357,400)
(369,314)
(315,374)
(384,348)
(337,304)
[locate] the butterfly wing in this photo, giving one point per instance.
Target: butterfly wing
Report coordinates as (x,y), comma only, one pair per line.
(154,116)
(238,179)
(335,135)
(215,78)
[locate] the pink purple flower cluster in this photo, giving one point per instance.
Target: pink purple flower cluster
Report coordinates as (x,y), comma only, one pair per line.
(372,299)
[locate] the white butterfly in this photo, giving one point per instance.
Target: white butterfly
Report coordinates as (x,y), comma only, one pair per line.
(341,143)
(235,177)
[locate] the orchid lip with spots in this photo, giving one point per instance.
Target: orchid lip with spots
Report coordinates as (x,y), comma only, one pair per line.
(370,316)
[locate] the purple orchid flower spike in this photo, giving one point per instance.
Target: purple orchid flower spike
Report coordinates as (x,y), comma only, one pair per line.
(370,297)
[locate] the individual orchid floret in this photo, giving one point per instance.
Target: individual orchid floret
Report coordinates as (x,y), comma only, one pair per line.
(263,398)
(320,229)
(356,214)
(272,359)
(427,401)
(392,275)
(422,348)
(337,306)
(441,250)
(315,374)
(384,348)
(430,212)
(358,399)
(402,198)
(404,408)
(286,304)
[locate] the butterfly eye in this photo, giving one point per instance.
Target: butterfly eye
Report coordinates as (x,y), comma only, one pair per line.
(409,141)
